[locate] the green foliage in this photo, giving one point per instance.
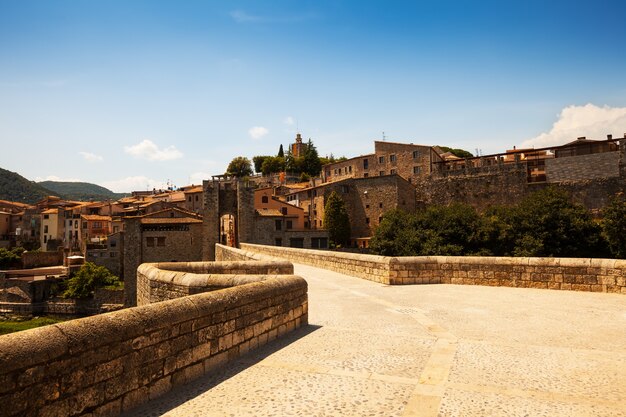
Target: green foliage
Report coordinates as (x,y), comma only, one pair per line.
(10,257)
(336,220)
(258,162)
(88,278)
(546,223)
(11,326)
(461,153)
(81,191)
(614,226)
(325,160)
(311,164)
(281,152)
(239,167)
(293,164)
(14,187)
(272,165)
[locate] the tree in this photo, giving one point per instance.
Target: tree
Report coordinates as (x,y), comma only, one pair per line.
(461,153)
(547,223)
(258,162)
(336,220)
(311,162)
(614,226)
(10,257)
(273,164)
(239,167)
(281,153)
(88,278)
(293,164)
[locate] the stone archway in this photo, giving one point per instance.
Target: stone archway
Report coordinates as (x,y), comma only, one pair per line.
(226,197)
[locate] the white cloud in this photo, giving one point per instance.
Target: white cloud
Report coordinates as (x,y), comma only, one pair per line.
(241,16)
(289,121)
(137,183)
(591,121)
(146,149)
(55,178)
(91,157)
(198,177)
(257,132)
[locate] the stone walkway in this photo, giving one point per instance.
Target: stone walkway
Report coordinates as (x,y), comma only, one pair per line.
(429,350)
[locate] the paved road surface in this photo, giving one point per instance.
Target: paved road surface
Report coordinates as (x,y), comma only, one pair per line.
(429,350)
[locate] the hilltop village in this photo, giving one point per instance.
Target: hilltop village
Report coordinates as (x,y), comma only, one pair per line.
(183,224)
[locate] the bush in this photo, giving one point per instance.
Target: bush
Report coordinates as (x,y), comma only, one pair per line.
(336,220)
(614,226)
(10,258)
(88,278)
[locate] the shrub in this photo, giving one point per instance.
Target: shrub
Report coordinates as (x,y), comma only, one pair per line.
(89,277)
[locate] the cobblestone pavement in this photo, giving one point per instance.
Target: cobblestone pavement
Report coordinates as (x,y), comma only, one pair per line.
(426,350)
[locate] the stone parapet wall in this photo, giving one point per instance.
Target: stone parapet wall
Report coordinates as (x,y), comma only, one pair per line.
(168,280)
(579,274)
(370,267)
(108,364)
(41,259)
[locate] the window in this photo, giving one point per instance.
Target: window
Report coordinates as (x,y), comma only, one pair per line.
(392,158)
(380,219)
(393,172)
(296,242)
(381,173)
(319,243)
(345,189)
(365,164)
(366,175)
(112,254)
(278,241)
(150,242)
(367,220)
(381,159)
(84,225)
(367,206)
(45,229)
(196,198)
(97,225)
(350,169)
(283,210)
(380,205)
(189,199)
(289,224)
(75,224)
(160,241)
(416,154)
(306,224)
(116,229)
(113,243)
(264,199)
(279,225)
(45,238)
(416,170)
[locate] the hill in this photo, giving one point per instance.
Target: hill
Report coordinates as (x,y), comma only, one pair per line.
(82,191)
(14,187)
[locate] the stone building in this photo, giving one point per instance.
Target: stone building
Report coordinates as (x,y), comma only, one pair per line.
(298,148)
(171,235)
(411,162)
(367,199)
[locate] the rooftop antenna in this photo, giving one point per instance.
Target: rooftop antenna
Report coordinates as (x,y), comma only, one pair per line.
(384,137)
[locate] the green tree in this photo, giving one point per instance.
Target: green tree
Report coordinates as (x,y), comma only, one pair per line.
(273,164)
(293,164)
(281,152)
(239,167)
(88,278)
(396,235)
(614,226)
(547,223)
(461,153)
(10,257)
(258,162)
(311,162)
(336,220)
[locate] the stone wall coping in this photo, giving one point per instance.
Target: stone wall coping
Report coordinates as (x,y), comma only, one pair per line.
(28,348)
(323,254)
(217,267)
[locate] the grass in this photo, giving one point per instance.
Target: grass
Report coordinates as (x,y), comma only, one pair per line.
(10,326)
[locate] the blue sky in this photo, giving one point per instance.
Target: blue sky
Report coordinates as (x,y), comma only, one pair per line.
(130,94)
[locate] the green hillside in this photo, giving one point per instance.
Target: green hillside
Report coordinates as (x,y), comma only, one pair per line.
(14,187)
(82,191)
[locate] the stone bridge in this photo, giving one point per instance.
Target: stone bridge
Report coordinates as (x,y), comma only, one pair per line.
(353,347)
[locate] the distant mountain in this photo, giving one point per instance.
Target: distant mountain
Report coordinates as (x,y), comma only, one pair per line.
(14,187)
(81,191)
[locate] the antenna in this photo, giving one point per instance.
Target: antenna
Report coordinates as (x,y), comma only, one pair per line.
(384,137)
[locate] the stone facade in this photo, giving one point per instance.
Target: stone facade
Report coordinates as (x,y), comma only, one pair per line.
(108,364)
(583,167)
(596,275)
(411,162)
(167,236)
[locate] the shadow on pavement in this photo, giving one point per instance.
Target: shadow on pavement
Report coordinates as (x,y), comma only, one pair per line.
(184,393)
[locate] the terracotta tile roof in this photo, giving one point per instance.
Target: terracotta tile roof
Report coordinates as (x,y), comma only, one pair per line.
(269,212)
(95,217)
(197,189)
(50,211)
(169,220)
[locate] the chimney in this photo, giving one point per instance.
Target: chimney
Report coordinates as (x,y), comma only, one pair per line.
(582,138)
(609,137)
